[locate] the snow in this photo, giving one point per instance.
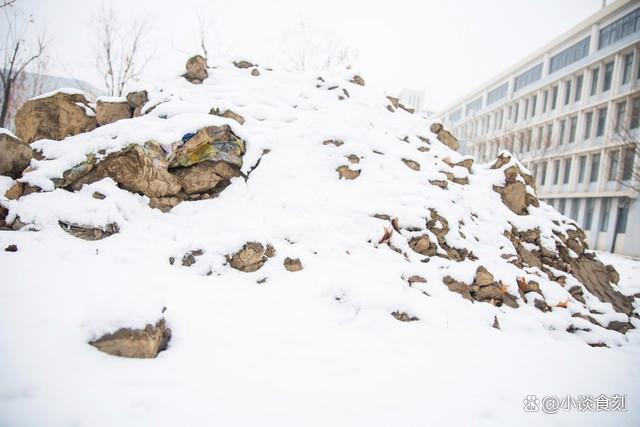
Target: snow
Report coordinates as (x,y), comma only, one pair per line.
(67,90)
(4,131)
(316,347)
(111,99)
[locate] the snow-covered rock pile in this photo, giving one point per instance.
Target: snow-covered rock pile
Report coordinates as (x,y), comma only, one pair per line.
(248,175)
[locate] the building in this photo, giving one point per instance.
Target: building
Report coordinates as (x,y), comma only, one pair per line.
(569,112)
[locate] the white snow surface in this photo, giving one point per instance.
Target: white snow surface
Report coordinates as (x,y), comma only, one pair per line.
(316,347)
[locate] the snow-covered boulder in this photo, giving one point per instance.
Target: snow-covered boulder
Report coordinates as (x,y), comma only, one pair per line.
(15,155)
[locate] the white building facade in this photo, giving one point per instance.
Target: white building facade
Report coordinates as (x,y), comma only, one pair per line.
(570,112)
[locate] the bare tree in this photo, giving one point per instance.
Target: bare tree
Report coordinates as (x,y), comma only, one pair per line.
(305,48)
(21,49)
(120,58)
(628,175)
(5,3)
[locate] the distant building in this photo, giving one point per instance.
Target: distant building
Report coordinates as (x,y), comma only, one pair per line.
(412,98)
(568,111)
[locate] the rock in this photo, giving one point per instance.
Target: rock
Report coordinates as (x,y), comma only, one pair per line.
(445,136)
(614,276)
(227,114)
(576,292)
(15,155)
(458,287)
(137,100)
(214,143)
(190,257)
(54,117)
(416,279)
(353,159)
(270,251)
(250,258)
(618,326)
(395,104)
(255,72)
(15,191)
(88,232)
(196,69)
(357,80)
(439,183)
(496,324)
(292,264)
(335,142)
(483,277)
(135,168)
(404,317)
(109,112)
(347,173)
(541,305)
(11,248)
(422,245)
(412,164)
(164,204)
(205,176)
(243,64)
(136,343)
(97,195)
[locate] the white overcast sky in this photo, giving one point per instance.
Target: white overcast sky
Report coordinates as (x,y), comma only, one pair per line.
(446,47)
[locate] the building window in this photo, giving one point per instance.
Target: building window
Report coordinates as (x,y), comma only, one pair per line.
(582,165)
(549,133)
(587,125)
(545,99)
(534,101)
(594,81)
(562,205)
(627,163)
(608,76)
(621,110)
(602,121)
(604,214)
(456,115)
(474,105)
(531,75)
(595,166)
(613,165)
(543,175)
(619,29)
(567,171)
(588,214)
(579,80)
(497,93)
(556,171)
(569,55)
(573,123)
(623,215)
(554,97)
(567,92)
(627,68)
(526,109)
(563,125)
(635,113)
(515,112)
(575,209)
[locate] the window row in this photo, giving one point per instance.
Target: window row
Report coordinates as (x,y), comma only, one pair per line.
(585,208)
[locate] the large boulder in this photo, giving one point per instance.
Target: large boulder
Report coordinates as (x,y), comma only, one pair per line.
(205,176)
(136,343)
(514,193)
(214,143)
(196,69)
(54,117)
(109,111)
(250,258)
(15,155)
(141,169)
(136,101)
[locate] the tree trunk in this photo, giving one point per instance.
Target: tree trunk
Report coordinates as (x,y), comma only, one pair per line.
(6,98)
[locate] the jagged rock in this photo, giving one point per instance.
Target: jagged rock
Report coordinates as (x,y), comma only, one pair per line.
(88,232)
(292,264)
(614,276)
(243,64)
(412,164)
(335,142)
(357,80)
(137,100)
(416,279)
(423,245)
(465,163)
(15,155)
(250,258)
(514,193)
(15,191)
(577,293)
(109,112)
(496,324)
(404,317)
(347,173)
(54,117)
(395,104)
(11,248)
(205,176)
(445,136)
(483,277)
(618,326)
(227,114)
(541,305)
(196,69)
(165,204)
(190,257)
(353,159)
(458,287)
(136,343)
(135,168)
(270,251)
(214,143)
(439,183)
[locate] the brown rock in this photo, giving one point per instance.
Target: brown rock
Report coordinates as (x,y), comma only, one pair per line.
(196,69)
(11,248)
(137,343)
(513,196)
(439,183)
(353,159)
(542,305)
(423,245)
(227,114)
(190,257)
(243,64)
(255,72)
(250,258)
(347,173)
(215,143)
(458,287)
(412,164)
(404,317)
(15,156)
(164,204)
(335,142)
(614,276)
(270,251)
(416,279)
(15,191)
(109,112)
(89,233)
(205,176)
(137,99)
(54,117)
(357,80)
(445,136)
(483,277)
(292,264)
